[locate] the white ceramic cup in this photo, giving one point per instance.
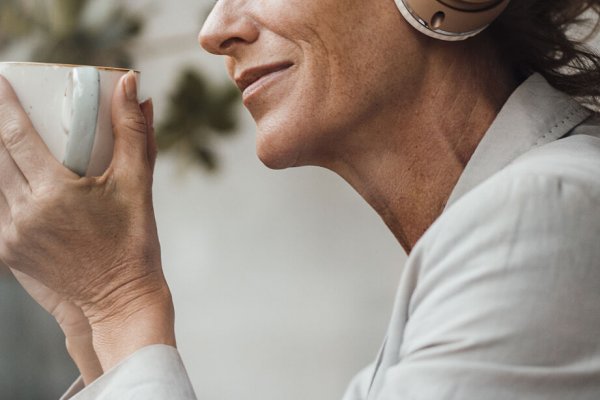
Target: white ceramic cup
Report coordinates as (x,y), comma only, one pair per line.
(70,107)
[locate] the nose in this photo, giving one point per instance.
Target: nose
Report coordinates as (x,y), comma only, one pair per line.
(226,28)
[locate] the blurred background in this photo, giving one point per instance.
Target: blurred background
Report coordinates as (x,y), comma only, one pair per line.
(283,281)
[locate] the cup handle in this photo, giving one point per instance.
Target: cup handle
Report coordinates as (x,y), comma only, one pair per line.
(80,116)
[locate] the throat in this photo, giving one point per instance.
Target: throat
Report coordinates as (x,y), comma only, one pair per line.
(409,175)
(406,160)
(412,198)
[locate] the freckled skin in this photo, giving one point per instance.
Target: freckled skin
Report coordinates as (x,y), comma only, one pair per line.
(393,112)
(347,56)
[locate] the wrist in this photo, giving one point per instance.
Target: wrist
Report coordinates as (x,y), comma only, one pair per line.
(130,319)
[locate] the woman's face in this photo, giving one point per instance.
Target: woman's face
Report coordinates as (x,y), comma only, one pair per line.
(314,73)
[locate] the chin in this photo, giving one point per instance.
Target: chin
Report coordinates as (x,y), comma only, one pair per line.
(286,138)
(274,151)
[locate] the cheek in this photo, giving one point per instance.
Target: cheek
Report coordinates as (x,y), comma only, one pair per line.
(300,125)
(347,72)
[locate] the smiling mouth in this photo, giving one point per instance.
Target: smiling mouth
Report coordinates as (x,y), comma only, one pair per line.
(253,76)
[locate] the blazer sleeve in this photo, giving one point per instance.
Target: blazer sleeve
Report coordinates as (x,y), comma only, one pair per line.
(507,303)
(152,373)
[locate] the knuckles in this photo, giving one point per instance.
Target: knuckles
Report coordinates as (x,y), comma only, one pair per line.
(56,221)
(134,123)
(11,131)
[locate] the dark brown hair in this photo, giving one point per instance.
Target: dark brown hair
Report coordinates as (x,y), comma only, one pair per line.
(538,36)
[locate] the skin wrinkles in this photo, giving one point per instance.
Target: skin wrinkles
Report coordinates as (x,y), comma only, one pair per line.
(319,56)
(316,49)
(308,45)
(17,173)
(396,114)
(326,86)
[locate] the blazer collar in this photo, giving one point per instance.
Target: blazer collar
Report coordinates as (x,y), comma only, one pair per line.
(535,114)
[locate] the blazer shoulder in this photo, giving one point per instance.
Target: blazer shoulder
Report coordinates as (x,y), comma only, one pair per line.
(551,194)
(548,195)
(534,220)
(504,289)
(574,159)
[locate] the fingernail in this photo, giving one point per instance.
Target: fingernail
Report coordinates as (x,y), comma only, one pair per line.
(131,86)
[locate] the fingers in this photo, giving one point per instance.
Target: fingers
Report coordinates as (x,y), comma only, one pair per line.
(13,185)
(20,140)
(148,111)
(130,128)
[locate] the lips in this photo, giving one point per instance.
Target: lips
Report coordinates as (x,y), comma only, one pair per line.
(251,76)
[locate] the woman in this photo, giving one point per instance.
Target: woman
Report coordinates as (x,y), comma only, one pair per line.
(482,169)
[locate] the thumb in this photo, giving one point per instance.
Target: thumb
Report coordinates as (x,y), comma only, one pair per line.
(130,128)
(148,111)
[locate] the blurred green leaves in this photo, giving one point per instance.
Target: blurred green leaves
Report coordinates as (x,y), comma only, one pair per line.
(195,111)
(71,31)
(102,32)
(14,22)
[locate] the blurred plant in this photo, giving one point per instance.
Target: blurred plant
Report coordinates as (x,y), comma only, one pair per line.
(101,33)
(70,31)
(194,110)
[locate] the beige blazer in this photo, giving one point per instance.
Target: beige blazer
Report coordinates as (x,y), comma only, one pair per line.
(500,299)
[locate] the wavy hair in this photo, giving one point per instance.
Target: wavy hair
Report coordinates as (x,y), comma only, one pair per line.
(546,36)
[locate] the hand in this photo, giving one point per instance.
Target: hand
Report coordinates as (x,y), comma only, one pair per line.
(93,241)
(72,321)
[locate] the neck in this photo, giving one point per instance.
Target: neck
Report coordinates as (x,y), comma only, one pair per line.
(407,159)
